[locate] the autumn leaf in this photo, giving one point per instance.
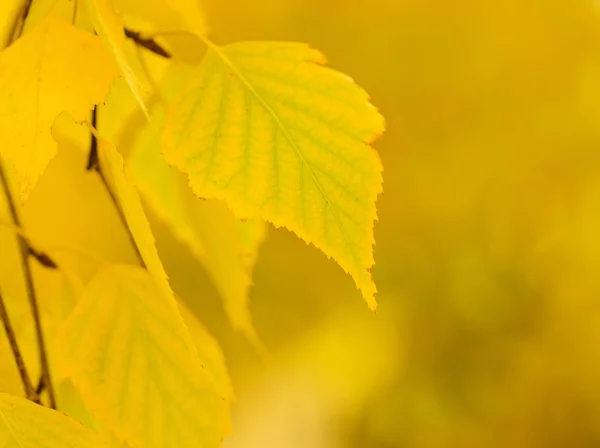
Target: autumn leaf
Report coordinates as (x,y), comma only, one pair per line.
(53,69)
(109,27)
(128,355)
(25,424)
(279,137)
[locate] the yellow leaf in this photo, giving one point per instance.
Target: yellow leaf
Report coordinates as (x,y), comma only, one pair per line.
(24,424)
(112,166)
(109,27)
(128,354)
(54,68)
(265,128)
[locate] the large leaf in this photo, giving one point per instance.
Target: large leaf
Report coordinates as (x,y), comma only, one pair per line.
(24,424)
(54,68)
(225,246)
(128,355)
(109,27)
(277,136)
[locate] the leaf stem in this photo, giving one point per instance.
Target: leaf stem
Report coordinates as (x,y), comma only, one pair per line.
(94,164)
(30,393)
(147,42)
(29,286)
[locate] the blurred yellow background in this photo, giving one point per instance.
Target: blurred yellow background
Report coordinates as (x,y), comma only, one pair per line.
(488,239)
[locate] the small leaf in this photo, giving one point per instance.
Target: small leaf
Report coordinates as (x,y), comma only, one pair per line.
(54,68)
(109,27)
(265,128)
(128,354)
(24,424)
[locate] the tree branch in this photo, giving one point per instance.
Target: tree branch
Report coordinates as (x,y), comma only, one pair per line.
(30,393)
(19,23)
(29,285)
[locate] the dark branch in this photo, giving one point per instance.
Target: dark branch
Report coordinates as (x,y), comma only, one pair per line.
(43,258)
(93,162)
(29,285)
(147,43)
(19,23)
(29,392)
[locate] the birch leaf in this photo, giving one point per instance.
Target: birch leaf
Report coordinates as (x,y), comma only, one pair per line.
(53,69)
(128,355)
(279,137)
(24,424)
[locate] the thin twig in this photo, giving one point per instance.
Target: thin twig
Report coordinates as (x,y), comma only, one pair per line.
(94,163)
(147,42)
(30,393)
(19,23)
(29,285)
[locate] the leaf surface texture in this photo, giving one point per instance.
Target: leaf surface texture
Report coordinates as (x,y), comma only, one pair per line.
(266,128)
(24,424)
(127,353)
(55,68)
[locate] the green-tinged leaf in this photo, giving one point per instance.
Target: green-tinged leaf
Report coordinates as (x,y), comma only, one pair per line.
(53,69)
(128,354)
(109,27)
(112,166)
(279,137)
(24,424)
(225,246)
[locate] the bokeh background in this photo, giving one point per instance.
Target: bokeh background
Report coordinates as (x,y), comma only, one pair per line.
(488,239)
